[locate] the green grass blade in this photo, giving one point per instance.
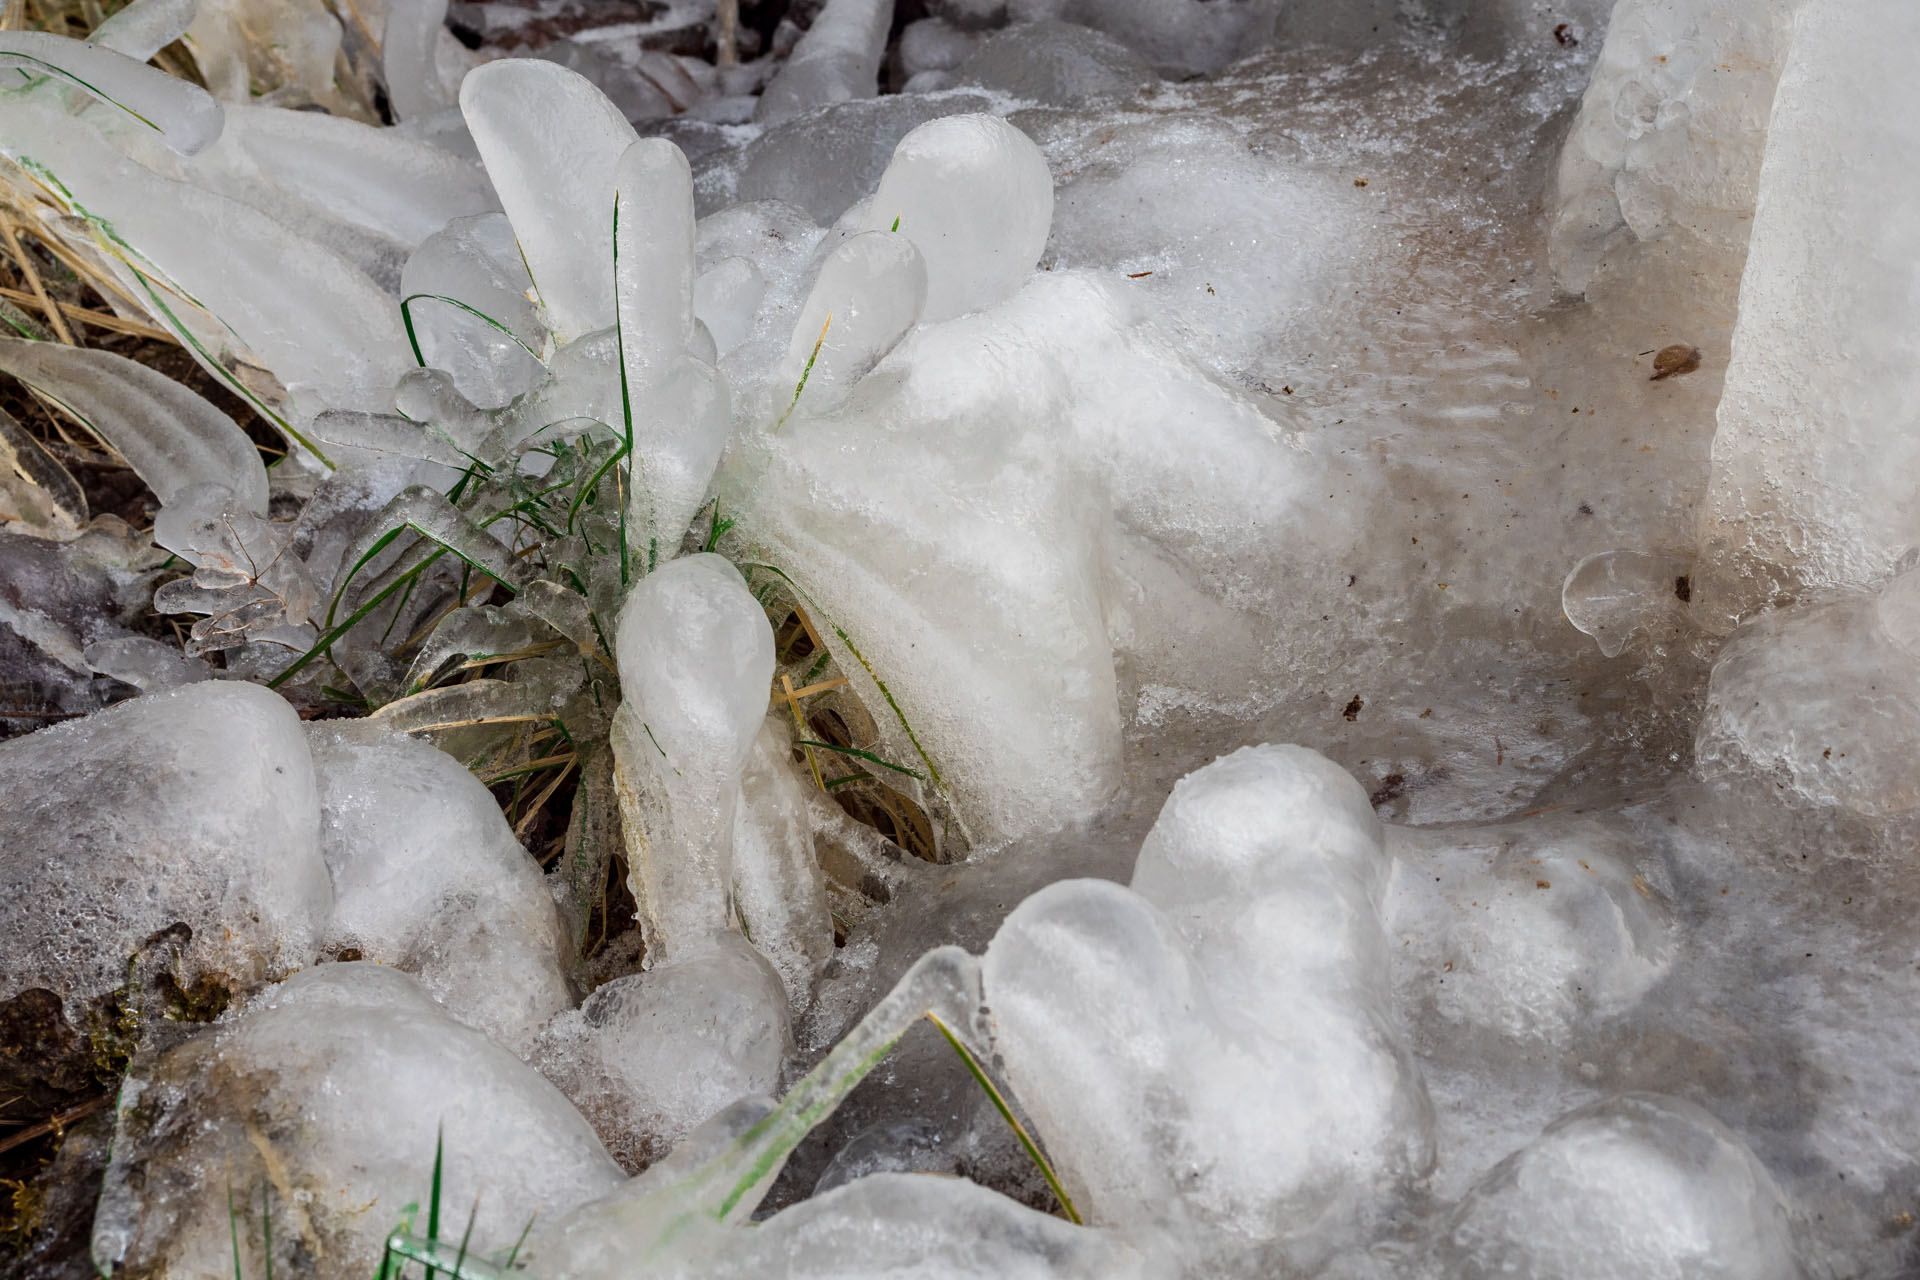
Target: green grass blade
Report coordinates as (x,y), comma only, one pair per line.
(626,396)
(513,1254)
(266,1223)
(406,318)
(233,1228)
(868,756)
(433,1204)
(68,75)
(999,1101)
(801,385)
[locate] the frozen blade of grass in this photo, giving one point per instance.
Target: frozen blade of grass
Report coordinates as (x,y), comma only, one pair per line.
(233,1230)
(438,1257)
(183,114)
(406,318)
(1000,1104)
(801,385)
(433,1200)
(945,981)
(868,756)
(388,434)
(22,323)
(460,705)
(171,437)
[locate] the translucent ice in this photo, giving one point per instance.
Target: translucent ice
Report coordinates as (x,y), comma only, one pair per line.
(171,437)
(675,400)
(837,59)
(428,878)
(1181,37)
(778,888)
(181,113)
(1245,973)
(1824,699)
(1632,1187)
(696,667)
(1670,131)
(144,28)
(181,827)
(1057,63)
(551,142)
(475,263)
(322,1107)
(870,291)
(652,1055)
(1811,486)
(973,194)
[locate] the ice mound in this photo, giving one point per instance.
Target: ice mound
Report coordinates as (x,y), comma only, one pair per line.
(315,1115)
(1632,1187)
(428,878)
(1809,488)
(1059,64)
(1530,929)
(161,856)
(1824,699)
(837,59)
(1244,975)
(651,1056)
(1180,37)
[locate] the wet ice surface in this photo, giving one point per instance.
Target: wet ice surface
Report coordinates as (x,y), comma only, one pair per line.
(1329,417)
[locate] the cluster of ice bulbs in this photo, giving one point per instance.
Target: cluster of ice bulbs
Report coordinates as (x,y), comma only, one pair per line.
(1504,404)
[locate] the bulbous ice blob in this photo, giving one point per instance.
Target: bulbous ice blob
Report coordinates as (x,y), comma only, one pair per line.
(206,856)
(428,878)
(652,1055)
(1824,698)
(654,273)
(1632,1187)
(1234,1006)
(1538,930)
(674,398)
(974,195)
(552,144)
(322,1107)
(1612,594)
(870,291)
(696,666)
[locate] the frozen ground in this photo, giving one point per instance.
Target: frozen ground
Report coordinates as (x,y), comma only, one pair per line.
(1362,554)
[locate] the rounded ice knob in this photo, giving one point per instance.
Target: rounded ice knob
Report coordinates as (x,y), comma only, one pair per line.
(974,195)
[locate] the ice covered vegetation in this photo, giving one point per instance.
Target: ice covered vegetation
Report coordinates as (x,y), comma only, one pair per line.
(964,639)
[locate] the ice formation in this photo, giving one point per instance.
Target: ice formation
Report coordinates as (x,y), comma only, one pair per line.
(320,1107)
(1502,403)
(428,878)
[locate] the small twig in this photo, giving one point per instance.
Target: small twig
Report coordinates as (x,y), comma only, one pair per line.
(526,819)
(819,645)
(53,1124)
(800,723)
(819,686)
(98,319)
(58,321)
(726,39)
